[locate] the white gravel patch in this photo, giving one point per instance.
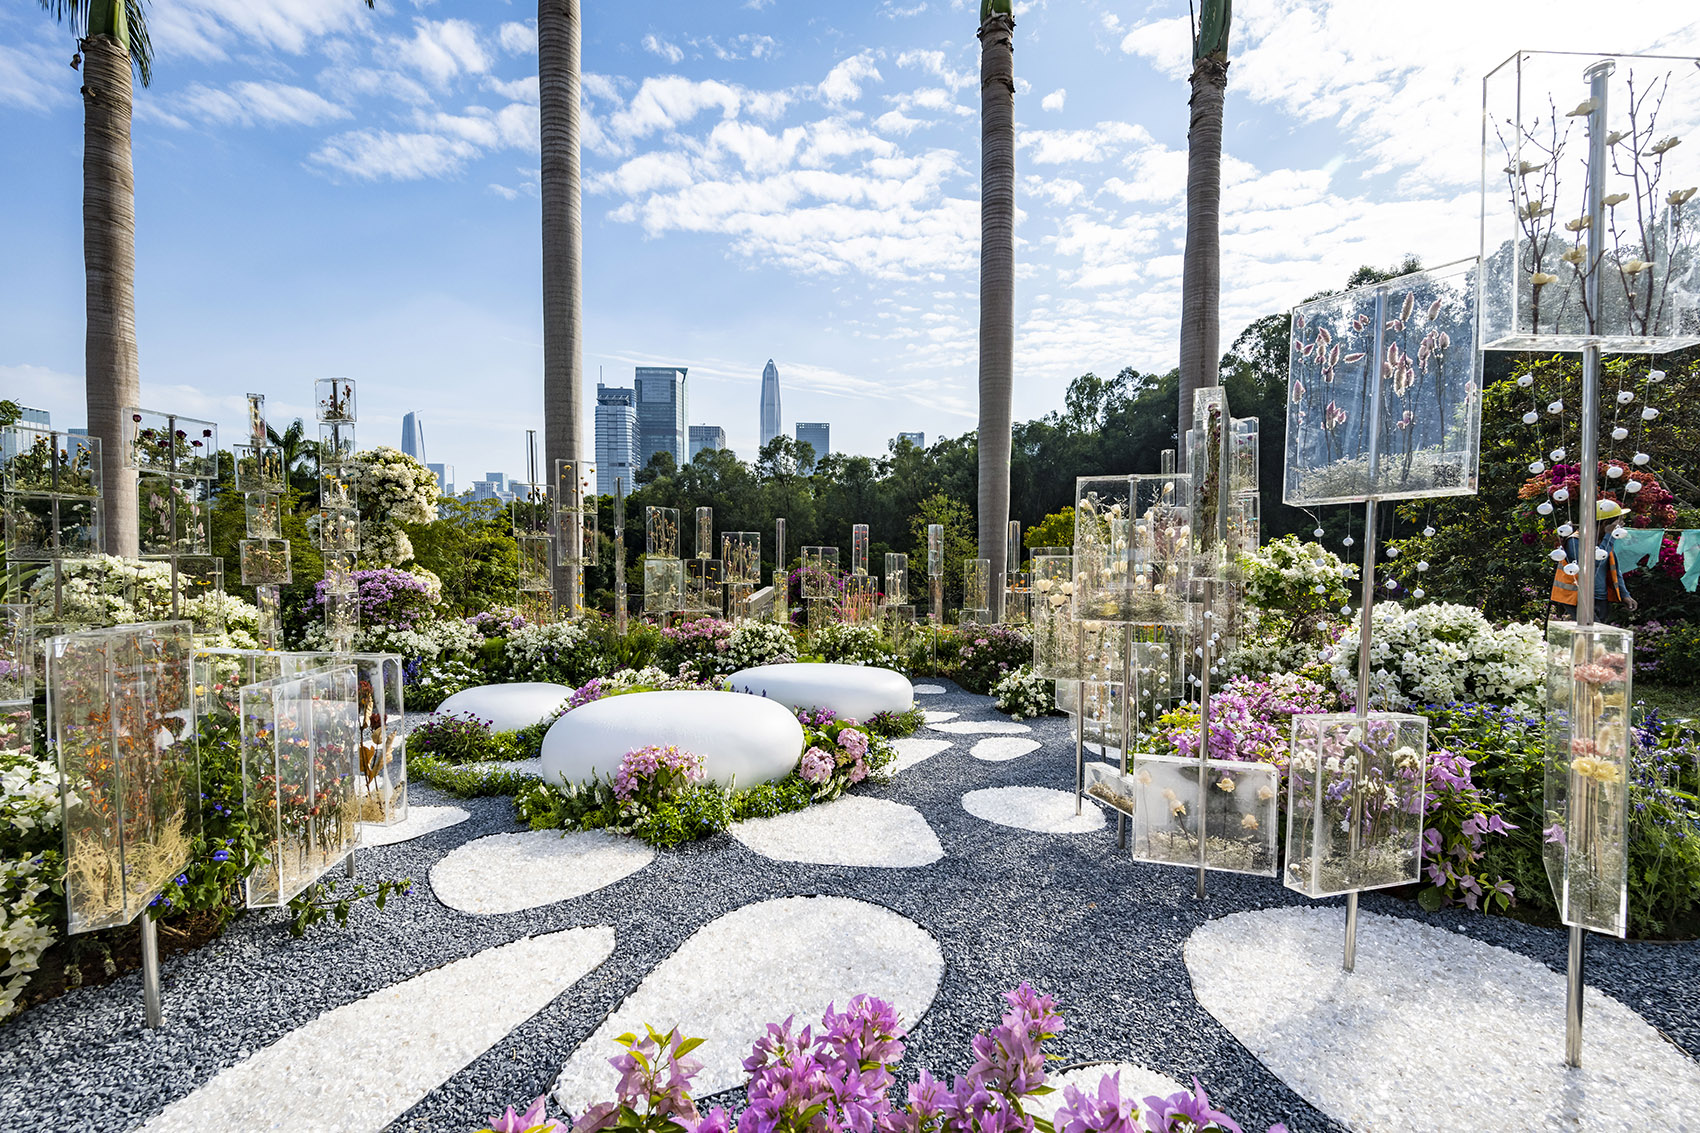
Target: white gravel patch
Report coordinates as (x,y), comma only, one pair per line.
(912,750)
(757,965)
(1034,808)
(930,690)
(364,1064)
(504,873)
(1000,748)
(1136,1082)
(532,767)
(420,821)
(851,830)
(982,728)
(1431,1025)
(936,717)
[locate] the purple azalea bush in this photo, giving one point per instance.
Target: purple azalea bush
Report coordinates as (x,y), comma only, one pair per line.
(987,653)
(389,598)
(1250,718)
(838,1080)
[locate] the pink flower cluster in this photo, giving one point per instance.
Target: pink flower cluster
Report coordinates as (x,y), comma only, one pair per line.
(650,768)
(817,766)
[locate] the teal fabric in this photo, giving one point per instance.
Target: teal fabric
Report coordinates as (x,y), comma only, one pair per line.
(1637,547)
(1689,548)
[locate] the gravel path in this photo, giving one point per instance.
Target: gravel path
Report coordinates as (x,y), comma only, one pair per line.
(1067,912)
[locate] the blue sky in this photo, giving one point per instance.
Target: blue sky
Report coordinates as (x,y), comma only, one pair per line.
(323,189)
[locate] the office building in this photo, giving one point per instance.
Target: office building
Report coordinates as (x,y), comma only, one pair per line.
(919,440)
(706,437)
(445,474)
(498,481)
(616,438)
(816,433)
(663,405)
(413,437)
(771,425)
(31,423)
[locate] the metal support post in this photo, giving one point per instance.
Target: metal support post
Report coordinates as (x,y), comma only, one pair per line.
(151,1012)
(620,612)
(1206,621)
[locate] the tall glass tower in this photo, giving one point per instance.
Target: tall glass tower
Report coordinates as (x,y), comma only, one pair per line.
(663,404)
(616,438)
(770,423)
(413,437)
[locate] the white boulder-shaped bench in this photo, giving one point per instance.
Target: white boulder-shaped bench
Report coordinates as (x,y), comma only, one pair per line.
(853,692)
(507,707)
(743,742)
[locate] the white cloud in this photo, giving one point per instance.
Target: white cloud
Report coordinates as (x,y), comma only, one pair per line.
(1054,100)
(668,51)
(932,99)
(519,90)
(518,38)
(844,82)
(208,29)
(894,122)
(892,10)
(1058,147)
(934,62)
(443,49)
(742,46)
(669,101)
(34,78)
(372,155)
(352,85)
(260,103)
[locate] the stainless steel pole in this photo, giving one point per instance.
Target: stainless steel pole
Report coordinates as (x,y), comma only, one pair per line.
(1127,720)
(151,1011)
(1207,620)
(620,612)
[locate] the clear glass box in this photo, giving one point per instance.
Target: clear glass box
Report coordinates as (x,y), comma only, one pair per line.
(1012,548)
(257,419)
(896,579)
(705,533)
(533,510)
(339,529)
(1589,744)
(1355,802)
(17,652)
(575,485)
(781,587)
(1535,205)
(1243,454)
(661,532)
(820,572)
(17,728)
(1416,404)
(703,579)
(342,617)
(122,717)
(740,551)
(976,584)
(170,445)
(43,462)
(1240,802)
(663,585)
(40,528)
(1054,647)
(1017,598)
(339,569)
(859,549)
(173,516)
(300,735)
(335,398)
(1103,703)
(935,550)
(197,577)
(536,562)
(336,446)
(264,511)
(335,492)
(259,468)
(537,607)
(381,758)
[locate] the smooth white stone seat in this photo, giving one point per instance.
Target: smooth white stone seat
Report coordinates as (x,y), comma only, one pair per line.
(742,740)
(855,692)
(507,707)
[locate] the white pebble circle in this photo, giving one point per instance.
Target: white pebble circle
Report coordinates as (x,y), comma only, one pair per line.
(508,707)
(852,830)
(854,692)
(1034,808)
(933,716)
(504,873)
(929,690)
(981,727)
(743,740)
(912,750)
(997,749)
(757,965)
(420,821)
(1442,1007)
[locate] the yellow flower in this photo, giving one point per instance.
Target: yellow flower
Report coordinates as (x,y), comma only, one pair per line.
(1616,199)
(1225,784)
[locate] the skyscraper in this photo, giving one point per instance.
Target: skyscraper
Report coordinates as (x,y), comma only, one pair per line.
(413,437)
(445,474)
(816,433)
(616,438)
(771,425)
(663,404)
(706,437)
(919,440)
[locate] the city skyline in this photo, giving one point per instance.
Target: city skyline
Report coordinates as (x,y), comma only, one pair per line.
(772,416)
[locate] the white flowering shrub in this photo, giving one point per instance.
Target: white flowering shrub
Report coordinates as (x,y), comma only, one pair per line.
(1023,693)
(442,640)
(107,590)
(1265,650)
(29,829)
(854,643)
(646,677)
(755,643)
(391,488)
(1441,653)
(564,652)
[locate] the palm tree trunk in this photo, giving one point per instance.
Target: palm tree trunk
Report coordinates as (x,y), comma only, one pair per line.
(111,370)
(558,36)
(1201,268)
(997,289)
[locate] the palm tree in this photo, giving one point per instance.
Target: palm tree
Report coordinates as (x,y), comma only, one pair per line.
(300,456)
(558,33)
(112,36)
(1201,267)
(997,280)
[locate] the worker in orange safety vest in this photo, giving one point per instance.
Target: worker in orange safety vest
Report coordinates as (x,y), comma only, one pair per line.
(1608,581)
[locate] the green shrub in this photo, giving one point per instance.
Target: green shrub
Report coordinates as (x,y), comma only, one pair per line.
(468,781)
(771,799)
(460,739)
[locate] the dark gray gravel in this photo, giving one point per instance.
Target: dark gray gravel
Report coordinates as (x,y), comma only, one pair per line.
(1070,914)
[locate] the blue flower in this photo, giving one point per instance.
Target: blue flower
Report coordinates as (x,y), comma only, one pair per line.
(182,879)
(221,856)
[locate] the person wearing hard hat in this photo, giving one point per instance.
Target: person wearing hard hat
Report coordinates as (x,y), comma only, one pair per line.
(1608,582)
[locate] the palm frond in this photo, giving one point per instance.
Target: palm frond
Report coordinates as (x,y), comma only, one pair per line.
(141,47)
(74,13)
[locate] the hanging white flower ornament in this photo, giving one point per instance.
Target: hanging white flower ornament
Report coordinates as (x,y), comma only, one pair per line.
(1557,555)
(1632,487)
(1561,495)
(1392,584)
(1557,453)
(1348,540)
(1640,458)
(1572,569)
(1428,533)
(1624,396)
(1422,566)
(1555,407)
(1317,533)
(1537,467)
(1655,375)
(1544,507)
(1531,417)
(1526,380)
(1567,530)
(1649,414)
(1613,472)
(1418,593)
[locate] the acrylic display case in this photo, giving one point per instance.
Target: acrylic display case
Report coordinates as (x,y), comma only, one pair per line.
(381,757)
(220,675)
(335,397)
(342,617)
(259,468)
(533,509)
(661,532)
(705,533)
(265,562)
(17,727)
(1104,721)
(1536,210)
(1054,644)
(663,585)
(335,492)
(1355,802)
(1239,800)
(336,445)
(43,462)
(169,445)
(703,580)
(935,550)
(740,556)
(896,579)
(1103,554)
(42,528)
(780,585)
(339,530)
(122,718)
(580,532)
(536,562)
(264,511)
(1387,373)
(1018,598)
(300,736)
(1586,830)
(976,585)
(859,549)
(575,485)
(1012,548)
(537,607)
(17,652)
(173,516)
(1243,451)
(339,569)
(820,572)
